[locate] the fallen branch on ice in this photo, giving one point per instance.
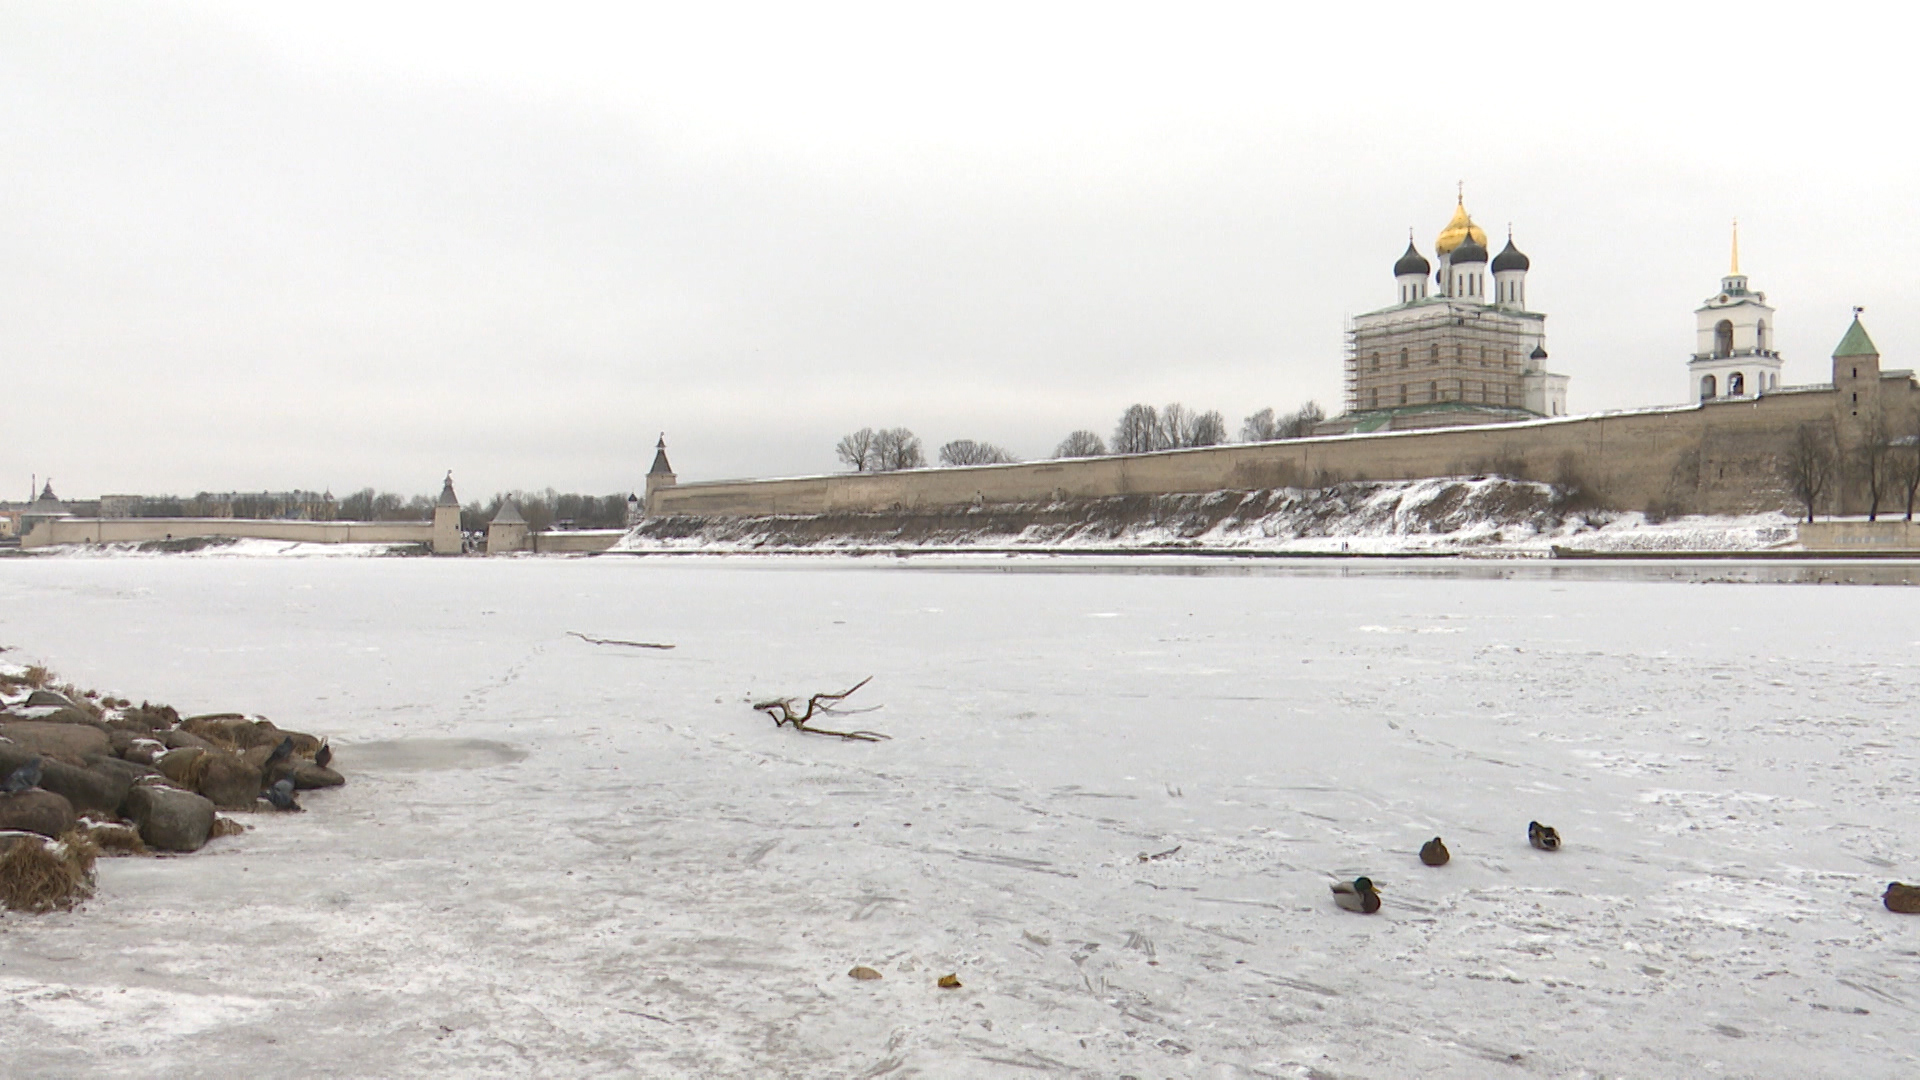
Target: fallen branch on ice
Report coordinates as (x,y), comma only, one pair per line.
(617,641)
(784,711)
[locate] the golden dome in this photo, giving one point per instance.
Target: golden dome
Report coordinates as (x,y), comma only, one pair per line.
(1458,230)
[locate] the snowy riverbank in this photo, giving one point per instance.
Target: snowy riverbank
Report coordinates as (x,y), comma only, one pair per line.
(1487,515)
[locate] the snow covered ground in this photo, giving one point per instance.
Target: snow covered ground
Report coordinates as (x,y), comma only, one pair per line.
(560,859)
(222,547)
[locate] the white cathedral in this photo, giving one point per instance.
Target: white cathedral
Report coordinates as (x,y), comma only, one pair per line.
(1451,356)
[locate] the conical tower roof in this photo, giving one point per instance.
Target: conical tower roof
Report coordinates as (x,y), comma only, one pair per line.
(447,497)
(1856,343)
(48,504)
(660,466)
(508,514)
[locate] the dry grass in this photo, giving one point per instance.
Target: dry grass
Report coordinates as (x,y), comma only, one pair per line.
(113,838)
(82,701)
(38,877)
(195,771)
(34,677)
(147,715)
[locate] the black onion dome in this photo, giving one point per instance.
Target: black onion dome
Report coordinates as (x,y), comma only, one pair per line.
(1470,251)
(1412,262)
(1539,353)
(1510,258)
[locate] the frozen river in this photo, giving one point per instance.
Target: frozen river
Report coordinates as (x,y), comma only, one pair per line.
(561,859)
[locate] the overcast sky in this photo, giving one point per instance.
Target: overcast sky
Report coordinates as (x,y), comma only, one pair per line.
(248,246)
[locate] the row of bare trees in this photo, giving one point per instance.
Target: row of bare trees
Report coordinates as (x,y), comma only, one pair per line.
(884,450)
(1264,426)
(1142,429)
(1887,462)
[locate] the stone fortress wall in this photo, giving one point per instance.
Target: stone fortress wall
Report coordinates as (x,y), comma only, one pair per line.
(143,530)
(441,535)
(1719,457)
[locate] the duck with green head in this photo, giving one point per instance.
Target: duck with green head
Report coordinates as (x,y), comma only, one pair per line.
(1360,895)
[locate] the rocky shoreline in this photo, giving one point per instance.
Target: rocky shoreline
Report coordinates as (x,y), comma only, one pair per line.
(87,775)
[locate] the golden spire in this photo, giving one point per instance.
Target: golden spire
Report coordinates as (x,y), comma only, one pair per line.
(1736,248)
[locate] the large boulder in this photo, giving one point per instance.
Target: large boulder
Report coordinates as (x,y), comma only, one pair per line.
(73,743)
(239,733)
(43,698)
(307,776)
(143,751)
(132,770)
(176,739)
(36,811)
(73,716)
(229,731)
(170,819)
(230,781)
(8,839)
(85,788)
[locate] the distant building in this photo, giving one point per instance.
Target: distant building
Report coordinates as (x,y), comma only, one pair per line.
(45,508)
(120,506)
(1444,355)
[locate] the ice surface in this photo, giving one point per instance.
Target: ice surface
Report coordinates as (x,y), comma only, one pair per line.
(665,885)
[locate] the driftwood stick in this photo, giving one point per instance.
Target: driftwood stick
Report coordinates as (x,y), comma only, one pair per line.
(785,711)
(617,641)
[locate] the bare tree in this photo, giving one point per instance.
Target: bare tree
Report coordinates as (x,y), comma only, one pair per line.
(356,507)
(968,452)
(1174,422)
(1264,426)
(1259,427)
(1904,471)
(1207,429)
(857,449)
(1081,444)
(1300,423)
(895,449)
(1138,431)
(1876,455)
(1808,464)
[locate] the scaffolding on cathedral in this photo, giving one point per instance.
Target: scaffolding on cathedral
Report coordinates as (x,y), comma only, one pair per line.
(1448,355)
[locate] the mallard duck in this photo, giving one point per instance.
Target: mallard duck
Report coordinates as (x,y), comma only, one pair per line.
(1357,895)
(1904,899)
(1542,836)
(1434,852)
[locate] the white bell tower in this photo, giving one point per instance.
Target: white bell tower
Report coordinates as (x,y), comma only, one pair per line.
(1733,352)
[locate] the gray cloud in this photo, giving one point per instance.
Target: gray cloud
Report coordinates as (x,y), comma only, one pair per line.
(249,248)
